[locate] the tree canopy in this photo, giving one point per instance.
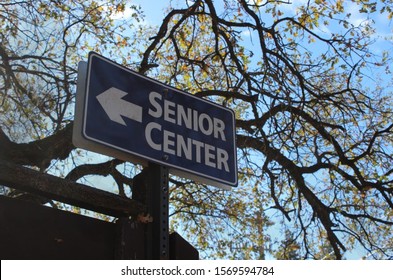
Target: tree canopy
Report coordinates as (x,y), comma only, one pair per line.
(310,84)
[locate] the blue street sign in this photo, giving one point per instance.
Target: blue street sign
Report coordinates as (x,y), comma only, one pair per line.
(130,116)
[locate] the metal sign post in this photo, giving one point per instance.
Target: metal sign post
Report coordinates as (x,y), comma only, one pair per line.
(158,205)
(151,187)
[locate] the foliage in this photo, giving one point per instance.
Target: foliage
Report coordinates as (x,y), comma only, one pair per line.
(310,86)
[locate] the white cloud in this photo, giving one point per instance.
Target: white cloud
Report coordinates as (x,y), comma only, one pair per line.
(126,14)
(356,18)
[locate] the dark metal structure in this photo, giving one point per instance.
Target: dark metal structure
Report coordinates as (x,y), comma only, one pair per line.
(32,231)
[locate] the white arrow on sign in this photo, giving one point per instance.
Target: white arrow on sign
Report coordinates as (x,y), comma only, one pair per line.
(116,108)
